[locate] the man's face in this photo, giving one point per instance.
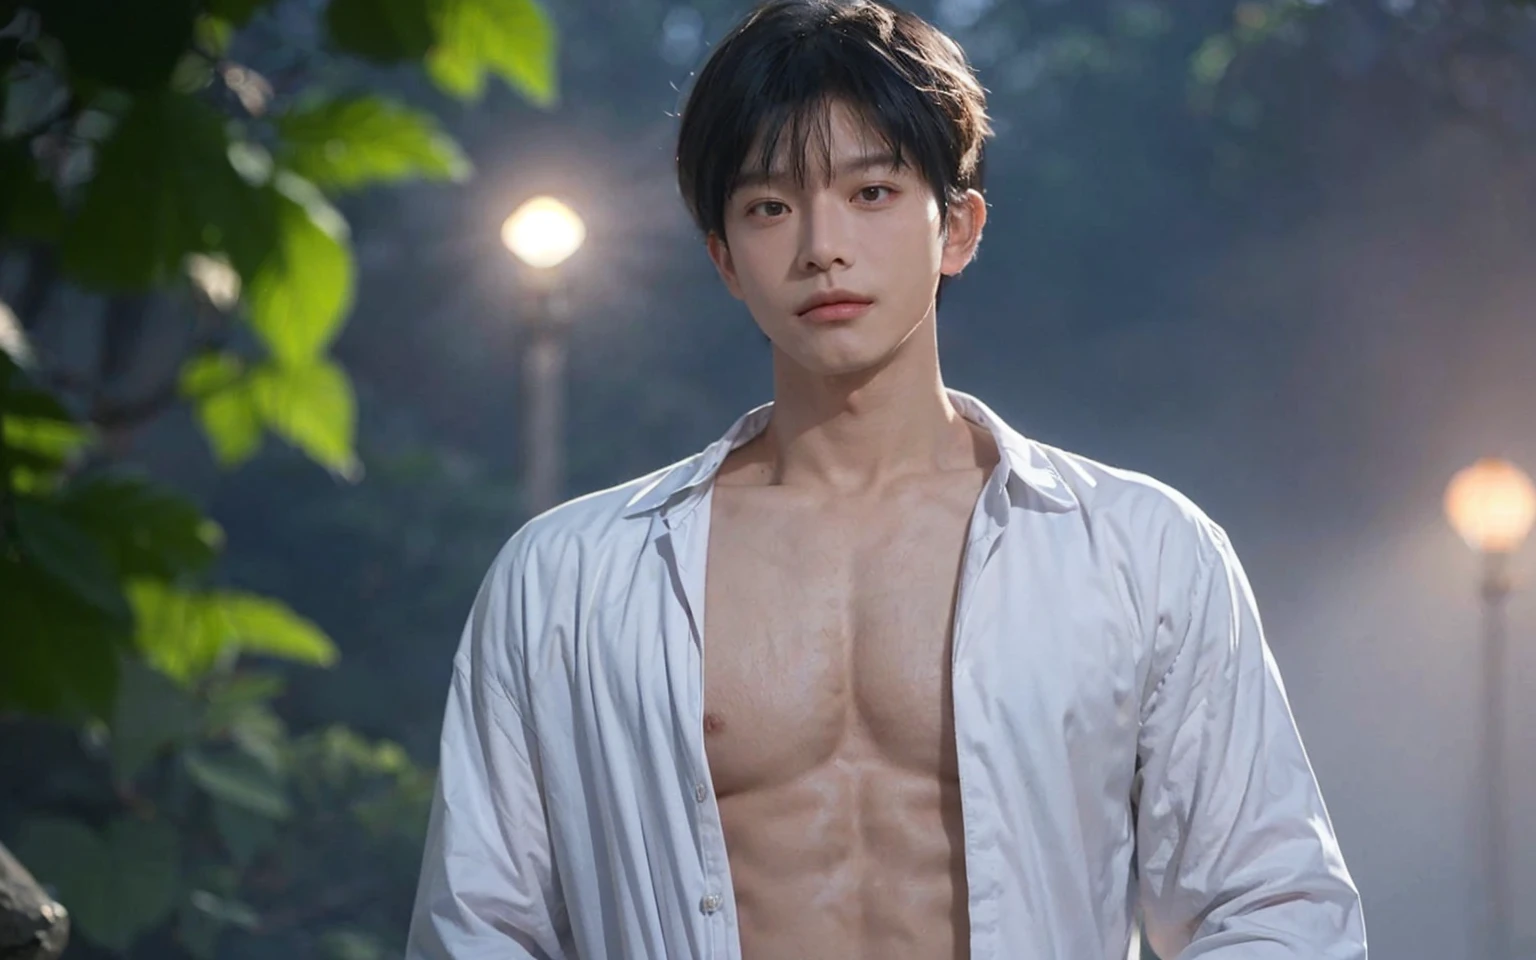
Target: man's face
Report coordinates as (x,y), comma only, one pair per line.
(868,234)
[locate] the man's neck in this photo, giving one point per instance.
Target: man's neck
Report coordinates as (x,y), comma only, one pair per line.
(857,434)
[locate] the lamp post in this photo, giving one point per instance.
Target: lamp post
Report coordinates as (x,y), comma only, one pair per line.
(1492,504)
(543,233)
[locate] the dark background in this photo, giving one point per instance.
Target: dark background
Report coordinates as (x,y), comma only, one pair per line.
(1303,292)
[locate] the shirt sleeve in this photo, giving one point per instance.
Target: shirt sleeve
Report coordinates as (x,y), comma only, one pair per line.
(488,888)
(1236,855)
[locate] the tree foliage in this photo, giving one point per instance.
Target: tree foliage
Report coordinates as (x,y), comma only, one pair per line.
(145,159)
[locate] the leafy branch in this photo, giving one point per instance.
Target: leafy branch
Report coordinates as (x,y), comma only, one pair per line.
(153,166)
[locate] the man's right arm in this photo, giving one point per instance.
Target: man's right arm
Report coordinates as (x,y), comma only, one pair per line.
(487,889)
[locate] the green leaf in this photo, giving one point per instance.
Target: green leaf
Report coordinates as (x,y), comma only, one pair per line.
(213,34)
(146,531)
(261,733)
(232,425)
(337,758)
(133,46)
(204,916)
(60,655)
(64,550)
(383,31)
(238,709)
(401,811)
(312,407)
(299,298)
(175,631)
(207,373)
(245,834)
(53,440)
(225,909)
(37,433)
(151,714)
(240,780)
(233,696)
(226,408)
(266,626)
(116,886)
(351,143)
(165,188)
(185,634)
(513,39)
(194,73)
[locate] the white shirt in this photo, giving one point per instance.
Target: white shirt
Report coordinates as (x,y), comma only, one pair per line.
(1121,728)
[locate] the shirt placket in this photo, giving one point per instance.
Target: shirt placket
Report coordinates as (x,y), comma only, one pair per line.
(977,809)
(715,904)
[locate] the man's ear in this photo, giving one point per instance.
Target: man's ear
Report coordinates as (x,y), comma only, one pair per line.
(720,255)
(963,224)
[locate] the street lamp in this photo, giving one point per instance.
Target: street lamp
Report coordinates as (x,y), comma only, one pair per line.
(543,233)
(1492,504)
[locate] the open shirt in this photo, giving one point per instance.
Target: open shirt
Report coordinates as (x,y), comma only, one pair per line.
(1123,735)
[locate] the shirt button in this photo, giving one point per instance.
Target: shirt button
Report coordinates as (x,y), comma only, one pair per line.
(700,792)
(710,904)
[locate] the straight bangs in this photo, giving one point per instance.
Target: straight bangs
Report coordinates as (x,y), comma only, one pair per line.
(788,130)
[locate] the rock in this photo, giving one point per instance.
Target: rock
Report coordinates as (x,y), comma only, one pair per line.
(33,926)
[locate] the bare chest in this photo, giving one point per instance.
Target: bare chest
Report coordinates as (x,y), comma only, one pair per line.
(828,635)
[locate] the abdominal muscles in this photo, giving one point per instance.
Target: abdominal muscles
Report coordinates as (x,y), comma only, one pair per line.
(854,859)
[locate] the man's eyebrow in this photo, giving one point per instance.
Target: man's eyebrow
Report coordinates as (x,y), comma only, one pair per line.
(873,161)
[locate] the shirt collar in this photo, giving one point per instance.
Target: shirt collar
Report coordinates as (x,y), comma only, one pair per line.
(680,488)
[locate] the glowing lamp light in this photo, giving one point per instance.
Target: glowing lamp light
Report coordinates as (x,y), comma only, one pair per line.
(543,232)
(216,278)
(1492,504)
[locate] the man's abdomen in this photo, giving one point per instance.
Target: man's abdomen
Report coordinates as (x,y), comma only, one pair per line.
(854,860)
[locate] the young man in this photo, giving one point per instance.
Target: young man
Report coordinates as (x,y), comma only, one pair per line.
(873,675)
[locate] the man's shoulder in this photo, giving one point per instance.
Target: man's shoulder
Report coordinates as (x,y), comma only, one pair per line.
(1143,509)
(602,519)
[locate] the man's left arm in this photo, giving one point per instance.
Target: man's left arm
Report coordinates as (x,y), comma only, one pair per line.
(1236,854)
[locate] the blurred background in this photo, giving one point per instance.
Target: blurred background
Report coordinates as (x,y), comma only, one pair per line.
(275,391)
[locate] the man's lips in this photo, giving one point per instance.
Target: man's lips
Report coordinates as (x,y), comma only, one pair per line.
(831,295)
(836,310)
(834,304)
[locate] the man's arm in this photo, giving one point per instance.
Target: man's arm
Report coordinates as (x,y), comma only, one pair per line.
(1237,858)
(488,890)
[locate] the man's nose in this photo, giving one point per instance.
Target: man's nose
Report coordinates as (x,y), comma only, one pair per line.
(825,237)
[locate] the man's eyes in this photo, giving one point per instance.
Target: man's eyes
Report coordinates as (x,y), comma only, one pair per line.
(873,193)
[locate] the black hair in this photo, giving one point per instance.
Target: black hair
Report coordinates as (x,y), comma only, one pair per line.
(788,61)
